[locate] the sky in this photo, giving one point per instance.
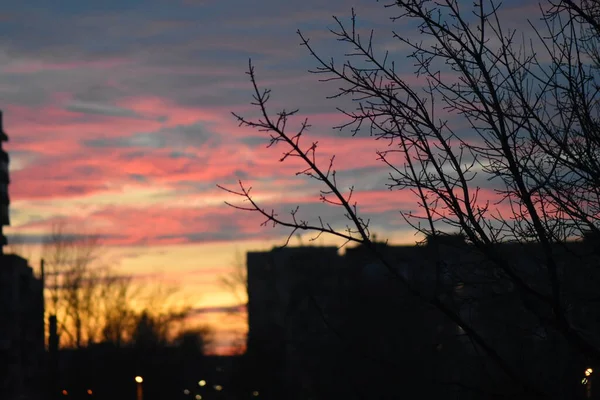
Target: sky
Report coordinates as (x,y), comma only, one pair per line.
(119,118)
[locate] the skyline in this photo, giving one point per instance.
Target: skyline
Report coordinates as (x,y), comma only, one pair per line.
(119,123)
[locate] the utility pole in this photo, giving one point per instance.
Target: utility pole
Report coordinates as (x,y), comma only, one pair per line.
(139,389)
(4,181)
(53,358)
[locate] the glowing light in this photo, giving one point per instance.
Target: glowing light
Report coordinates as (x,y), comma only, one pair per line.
(89,391)
(186,392)
(65,393)
(139,379)
(255,393)
(202,383)
(584,381)
(198,397)
(218,388)
(588,372)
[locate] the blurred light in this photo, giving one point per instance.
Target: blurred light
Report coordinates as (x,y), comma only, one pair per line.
(186,392)
(202,383)
(584,381)
(255,393)
(64,392)
(89,391)
(218,388)
(139,379)
(588,372)
(198,397)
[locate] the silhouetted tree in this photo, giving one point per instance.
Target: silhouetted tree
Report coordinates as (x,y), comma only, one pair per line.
(153,330)
(94,304)
(236,283)
(73,281)
(115,303)
(518,112)
(194,340)
(147,334)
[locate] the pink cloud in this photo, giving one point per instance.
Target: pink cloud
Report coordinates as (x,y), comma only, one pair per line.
(67,169)
(162,225)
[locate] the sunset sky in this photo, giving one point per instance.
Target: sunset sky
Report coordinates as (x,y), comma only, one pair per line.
(119,118)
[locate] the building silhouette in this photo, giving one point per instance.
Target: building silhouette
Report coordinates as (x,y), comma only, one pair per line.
(21,329)
(322,325)
(281,286)
(21,310)
(328,325)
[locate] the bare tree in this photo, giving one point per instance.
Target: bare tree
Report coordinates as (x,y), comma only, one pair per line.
(136,311)
(93,303)
(530,104)
(167,305)
(119,318)
(73,281)
(236,281)
(195,340)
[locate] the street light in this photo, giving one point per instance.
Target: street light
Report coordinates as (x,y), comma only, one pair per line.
(140,394)
(587,382)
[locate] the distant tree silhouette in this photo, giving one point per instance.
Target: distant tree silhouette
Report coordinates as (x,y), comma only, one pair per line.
(73,281)
(94,304)
(486,106)
(194,340)
(155,330)
(236,283)
(117,295)
(147,334)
